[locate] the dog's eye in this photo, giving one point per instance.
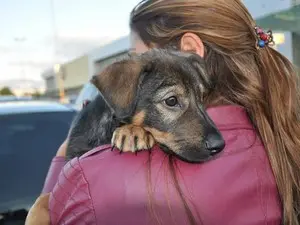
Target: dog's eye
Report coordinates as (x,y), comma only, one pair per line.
(172,101)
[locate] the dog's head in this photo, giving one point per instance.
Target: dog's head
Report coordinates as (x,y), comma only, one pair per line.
(163,92)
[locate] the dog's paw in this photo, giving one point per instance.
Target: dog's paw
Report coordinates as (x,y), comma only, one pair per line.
(130,138)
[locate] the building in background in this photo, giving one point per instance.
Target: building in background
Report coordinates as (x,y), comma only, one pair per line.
(74,75)
(102,57)
(71,76)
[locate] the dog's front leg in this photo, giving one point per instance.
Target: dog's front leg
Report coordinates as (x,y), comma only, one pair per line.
(132,138)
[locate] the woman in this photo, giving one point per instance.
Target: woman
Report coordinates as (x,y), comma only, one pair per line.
(255,181)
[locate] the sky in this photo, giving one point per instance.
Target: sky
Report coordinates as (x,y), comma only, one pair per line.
(33,36)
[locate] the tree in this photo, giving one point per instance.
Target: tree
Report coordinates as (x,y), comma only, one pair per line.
(6,91)
(36,94)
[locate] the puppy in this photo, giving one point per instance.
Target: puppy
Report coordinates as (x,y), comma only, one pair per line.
(155,97)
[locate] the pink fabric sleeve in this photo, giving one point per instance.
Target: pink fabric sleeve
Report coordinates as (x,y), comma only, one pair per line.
(70,201)
(56,166)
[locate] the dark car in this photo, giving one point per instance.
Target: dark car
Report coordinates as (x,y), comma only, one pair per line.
(30,134)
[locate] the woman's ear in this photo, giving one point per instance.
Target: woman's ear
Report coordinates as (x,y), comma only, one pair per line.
(191,42)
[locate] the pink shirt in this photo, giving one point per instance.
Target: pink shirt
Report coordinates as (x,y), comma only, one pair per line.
(106,188)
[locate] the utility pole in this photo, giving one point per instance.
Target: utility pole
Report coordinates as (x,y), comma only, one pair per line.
(59,74)
(58,70)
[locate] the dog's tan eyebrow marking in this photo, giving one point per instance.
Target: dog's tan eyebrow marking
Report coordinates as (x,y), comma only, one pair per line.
(138,118)
(176,89)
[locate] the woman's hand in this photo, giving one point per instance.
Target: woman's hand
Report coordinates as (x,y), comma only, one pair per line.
(39,212)
(62,150)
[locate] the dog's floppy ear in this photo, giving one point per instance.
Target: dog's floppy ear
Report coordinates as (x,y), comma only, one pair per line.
(118,84)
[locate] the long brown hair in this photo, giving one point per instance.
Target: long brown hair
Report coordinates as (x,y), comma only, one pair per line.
(263,81)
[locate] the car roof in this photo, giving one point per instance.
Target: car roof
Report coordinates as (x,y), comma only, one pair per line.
(14,98)
(17,107)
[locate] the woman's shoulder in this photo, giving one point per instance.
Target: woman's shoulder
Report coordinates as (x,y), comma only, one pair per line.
(236,128)
(110,182)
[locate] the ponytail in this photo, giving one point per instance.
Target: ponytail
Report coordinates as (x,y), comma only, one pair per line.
(277,121)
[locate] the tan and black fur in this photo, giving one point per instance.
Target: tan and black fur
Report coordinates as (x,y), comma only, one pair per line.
(150,98)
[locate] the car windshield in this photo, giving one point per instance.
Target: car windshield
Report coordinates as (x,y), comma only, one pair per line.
(27,144)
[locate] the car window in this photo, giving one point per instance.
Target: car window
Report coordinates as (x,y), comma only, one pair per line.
(88,92)
(28,142)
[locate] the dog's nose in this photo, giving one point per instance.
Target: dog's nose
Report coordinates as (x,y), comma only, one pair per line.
(215,143)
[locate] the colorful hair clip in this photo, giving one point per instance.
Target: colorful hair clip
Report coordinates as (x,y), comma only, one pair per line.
(264,38)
